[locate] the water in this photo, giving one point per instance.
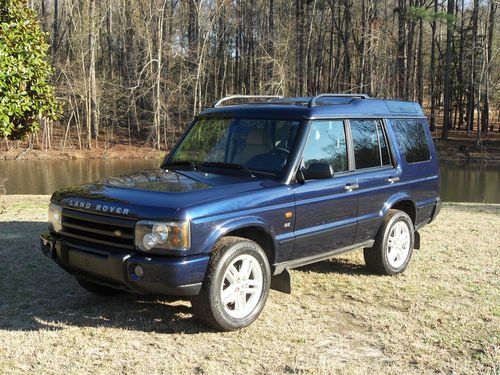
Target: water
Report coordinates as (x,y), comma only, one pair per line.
(473,182)
(46,176)
(460,182)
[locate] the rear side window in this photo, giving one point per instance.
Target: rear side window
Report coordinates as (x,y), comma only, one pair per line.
(370,145)
(412,140)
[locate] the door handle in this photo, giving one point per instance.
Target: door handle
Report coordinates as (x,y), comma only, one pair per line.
(392,180)
(351,187)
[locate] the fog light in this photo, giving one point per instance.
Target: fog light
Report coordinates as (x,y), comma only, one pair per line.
(139,272)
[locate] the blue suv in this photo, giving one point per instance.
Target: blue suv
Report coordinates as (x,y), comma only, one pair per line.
(250,191)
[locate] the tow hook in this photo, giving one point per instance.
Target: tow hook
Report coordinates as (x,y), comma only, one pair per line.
(48,245)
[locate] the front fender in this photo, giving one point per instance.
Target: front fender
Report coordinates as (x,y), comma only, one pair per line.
(222,229)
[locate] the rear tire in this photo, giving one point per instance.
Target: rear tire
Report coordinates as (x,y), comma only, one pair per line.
(97,289)
(393,245)
(236,285)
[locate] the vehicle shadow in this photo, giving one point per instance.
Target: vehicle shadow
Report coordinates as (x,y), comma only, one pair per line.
(336,265)
(35,294)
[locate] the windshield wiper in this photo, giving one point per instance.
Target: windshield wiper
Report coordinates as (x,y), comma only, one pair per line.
(182,164)
(212,164)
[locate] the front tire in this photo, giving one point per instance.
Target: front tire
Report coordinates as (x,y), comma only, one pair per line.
(393,245)
(236,286)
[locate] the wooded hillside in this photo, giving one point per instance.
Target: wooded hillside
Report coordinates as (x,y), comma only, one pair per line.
(141,69)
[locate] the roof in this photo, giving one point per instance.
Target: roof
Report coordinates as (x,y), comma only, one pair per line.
(323,107)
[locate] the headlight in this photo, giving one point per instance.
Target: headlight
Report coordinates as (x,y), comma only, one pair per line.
(55,216)
(173,235)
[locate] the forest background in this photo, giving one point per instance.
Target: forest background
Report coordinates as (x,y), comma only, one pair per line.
(130,72)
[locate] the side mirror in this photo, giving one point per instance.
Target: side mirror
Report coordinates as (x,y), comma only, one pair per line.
(318,171)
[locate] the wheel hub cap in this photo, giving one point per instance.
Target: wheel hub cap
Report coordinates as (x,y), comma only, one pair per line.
(398,244)
(242,286)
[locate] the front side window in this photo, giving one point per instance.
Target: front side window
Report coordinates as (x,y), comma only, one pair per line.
(370,146)
(327,144)
(412,140)
(261,145)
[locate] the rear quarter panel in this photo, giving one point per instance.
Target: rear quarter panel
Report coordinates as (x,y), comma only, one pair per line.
(418,180)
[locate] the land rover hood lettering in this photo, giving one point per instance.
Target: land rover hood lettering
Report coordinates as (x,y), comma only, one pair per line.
(98,207)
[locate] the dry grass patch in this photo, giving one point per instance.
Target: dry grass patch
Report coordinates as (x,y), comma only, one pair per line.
(442,315)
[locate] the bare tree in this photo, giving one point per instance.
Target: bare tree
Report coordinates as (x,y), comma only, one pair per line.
(136,71)
(447,70)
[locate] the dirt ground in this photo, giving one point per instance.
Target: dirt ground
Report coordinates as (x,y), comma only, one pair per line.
(441,316)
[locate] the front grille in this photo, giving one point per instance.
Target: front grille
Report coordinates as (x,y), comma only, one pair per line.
(97,229)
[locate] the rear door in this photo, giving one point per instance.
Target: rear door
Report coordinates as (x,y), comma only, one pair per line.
(377,177)
(326,209)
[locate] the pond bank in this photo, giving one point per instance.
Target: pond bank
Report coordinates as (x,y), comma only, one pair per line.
(462,149)
(114,152)
(457,148)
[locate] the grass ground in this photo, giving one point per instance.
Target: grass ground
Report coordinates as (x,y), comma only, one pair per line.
(441,316)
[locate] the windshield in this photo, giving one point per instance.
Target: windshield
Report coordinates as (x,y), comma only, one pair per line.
(257,145)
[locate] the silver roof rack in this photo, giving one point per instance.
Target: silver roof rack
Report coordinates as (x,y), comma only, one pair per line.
(225,99)
(312,102)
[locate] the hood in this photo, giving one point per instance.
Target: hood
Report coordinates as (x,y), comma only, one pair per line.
(153,194)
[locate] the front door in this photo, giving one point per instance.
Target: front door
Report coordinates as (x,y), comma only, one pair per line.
(326,209)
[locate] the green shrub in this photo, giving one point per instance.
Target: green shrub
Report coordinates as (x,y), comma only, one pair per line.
(26,95)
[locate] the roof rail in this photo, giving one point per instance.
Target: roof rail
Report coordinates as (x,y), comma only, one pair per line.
(225,99)
(312,102)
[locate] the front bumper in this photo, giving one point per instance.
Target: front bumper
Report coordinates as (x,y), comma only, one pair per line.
(161,275)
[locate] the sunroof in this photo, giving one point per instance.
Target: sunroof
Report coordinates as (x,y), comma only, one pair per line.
(329,100)
(395,106)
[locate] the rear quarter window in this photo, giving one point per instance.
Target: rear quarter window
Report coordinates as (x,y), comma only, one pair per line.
(412,140)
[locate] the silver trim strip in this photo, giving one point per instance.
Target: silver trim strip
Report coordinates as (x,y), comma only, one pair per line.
(280,267)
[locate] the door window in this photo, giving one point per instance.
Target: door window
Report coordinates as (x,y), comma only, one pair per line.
(327,144)
(370,145)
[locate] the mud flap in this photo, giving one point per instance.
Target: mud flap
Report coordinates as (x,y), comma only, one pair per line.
(416,244)
(282,282)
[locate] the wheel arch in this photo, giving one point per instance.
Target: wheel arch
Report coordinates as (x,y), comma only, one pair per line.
(253,229)
(402,202)
(260,236)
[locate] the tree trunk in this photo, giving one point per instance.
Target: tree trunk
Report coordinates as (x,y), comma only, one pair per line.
(94,116)
(420,60)
(460,70)
(447,71)
(489,61)
(472,77)
(346,34)
(401,58)
(271,36)
(410,66)
(299,20)
(362,48)
(55,28)
(159,63)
